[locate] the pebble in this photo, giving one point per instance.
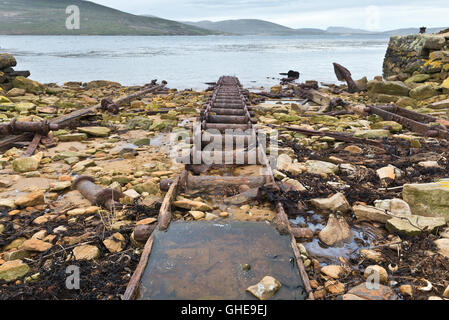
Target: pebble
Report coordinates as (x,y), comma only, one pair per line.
(333,271)
(36,245)
(265,289)
(86,252)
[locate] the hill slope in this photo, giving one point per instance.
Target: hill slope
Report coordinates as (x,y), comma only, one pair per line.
(48,17)
(251,27)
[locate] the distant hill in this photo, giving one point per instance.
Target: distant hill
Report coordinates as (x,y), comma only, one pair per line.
(343,30)
(398,32)
(244,27)
(47,17)
(261,27)
(252,27)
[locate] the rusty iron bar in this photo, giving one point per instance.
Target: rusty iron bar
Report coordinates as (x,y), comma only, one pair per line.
(207,182)
(408,113)
(335,135)
(97,195)
(230,119)
(15,127)
(410,124)
(230,112)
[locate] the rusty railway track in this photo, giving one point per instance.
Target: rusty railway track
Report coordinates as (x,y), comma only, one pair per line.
(228,108)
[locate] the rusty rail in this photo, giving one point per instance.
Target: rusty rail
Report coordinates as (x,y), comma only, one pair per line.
(411,120)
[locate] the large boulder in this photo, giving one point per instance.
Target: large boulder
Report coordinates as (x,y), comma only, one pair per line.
(395,88)
(424,92)
(28,85)
(417,78)
(428,199)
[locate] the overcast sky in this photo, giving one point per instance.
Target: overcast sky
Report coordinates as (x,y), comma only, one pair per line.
(366,14)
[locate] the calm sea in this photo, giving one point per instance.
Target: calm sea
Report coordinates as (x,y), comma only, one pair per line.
(189,62)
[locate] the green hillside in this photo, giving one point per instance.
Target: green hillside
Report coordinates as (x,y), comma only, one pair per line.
(48,17)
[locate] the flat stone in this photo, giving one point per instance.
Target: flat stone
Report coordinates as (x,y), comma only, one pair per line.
(320,167)
(379,292)
(192,205)
(412,225)
(368,213)
(386,172)
(372,134)
(73,137)
(197,214)
(335,203)
(95,131)
(12,270)
(333,271)
(429,199)
(391,125)
(60,185)
(86,252)
(265,289)
(395,206)
(31,199)
(36,245)
(8,203)
(353,149)
(396,88)
(25,164)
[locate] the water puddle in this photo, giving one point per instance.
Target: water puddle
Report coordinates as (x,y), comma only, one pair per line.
(203,260)
(322,252)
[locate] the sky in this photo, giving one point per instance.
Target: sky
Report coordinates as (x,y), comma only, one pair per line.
(379,15)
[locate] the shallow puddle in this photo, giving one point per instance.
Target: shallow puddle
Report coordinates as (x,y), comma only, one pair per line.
(203,260)
(322,252)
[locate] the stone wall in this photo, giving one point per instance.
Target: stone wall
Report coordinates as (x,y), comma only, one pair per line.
(419,53)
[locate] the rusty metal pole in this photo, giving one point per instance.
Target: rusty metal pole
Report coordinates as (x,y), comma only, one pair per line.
(96,195)
(17,127)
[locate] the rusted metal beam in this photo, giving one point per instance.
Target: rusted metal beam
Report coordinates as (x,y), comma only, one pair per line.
(208,182)
(408,123)
(15,127)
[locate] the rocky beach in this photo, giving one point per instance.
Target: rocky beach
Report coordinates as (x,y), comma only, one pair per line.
(362,169)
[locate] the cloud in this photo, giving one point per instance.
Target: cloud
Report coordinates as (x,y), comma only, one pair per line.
(367,14)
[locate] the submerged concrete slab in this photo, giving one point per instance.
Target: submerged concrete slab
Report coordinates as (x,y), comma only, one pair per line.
(208,260)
